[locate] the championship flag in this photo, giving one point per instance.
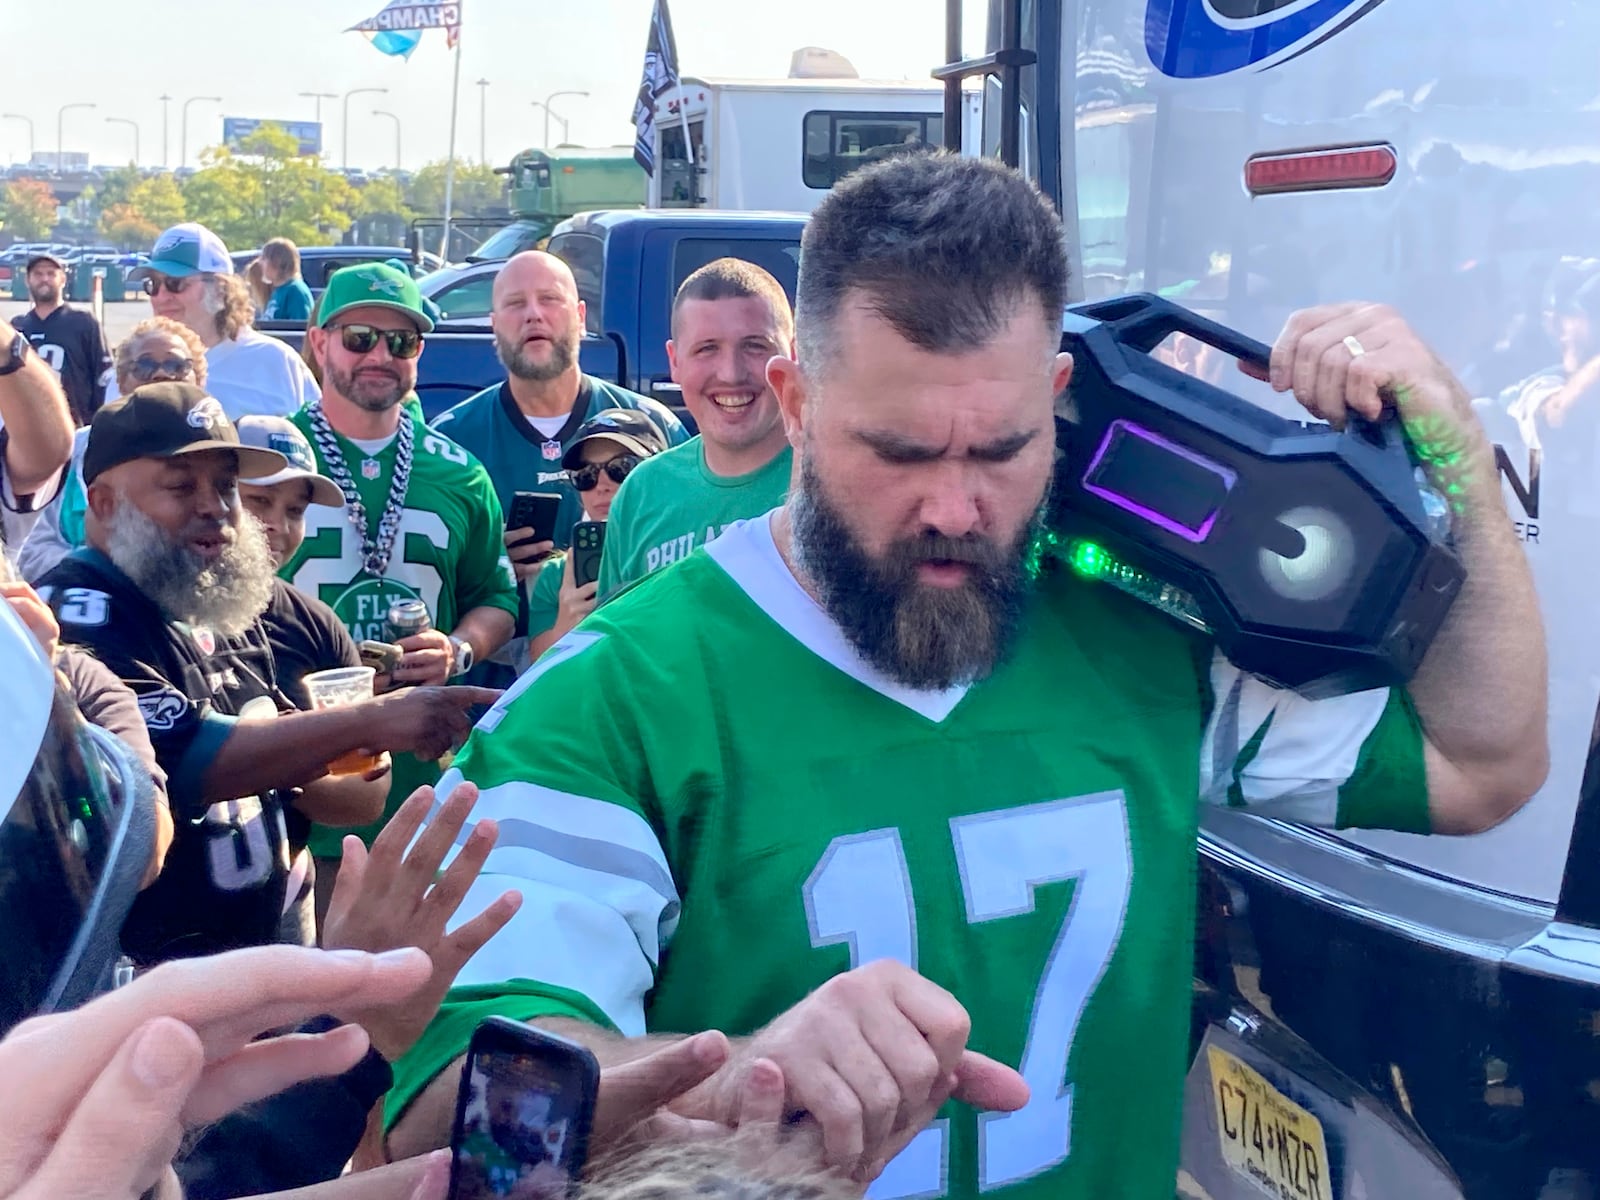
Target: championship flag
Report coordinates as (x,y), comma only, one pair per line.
(660,74)
(398,28)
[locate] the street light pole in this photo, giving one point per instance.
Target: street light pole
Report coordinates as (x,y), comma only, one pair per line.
(378,112)
(344,129)
(183,137)
(483,121)
(548,114)
(318,98)
(28,121)
(61,114)
(135,124)
(166,123)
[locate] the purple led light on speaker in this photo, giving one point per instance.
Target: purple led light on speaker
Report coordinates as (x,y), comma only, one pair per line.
(1121,428)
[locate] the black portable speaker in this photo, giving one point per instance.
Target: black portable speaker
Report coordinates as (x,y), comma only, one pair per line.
(1310,555)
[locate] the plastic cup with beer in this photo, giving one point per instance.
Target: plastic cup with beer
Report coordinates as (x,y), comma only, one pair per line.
(336,689)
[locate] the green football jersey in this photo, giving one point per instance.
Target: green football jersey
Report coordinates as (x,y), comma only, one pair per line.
(450,554)
(673,503)
(711,804)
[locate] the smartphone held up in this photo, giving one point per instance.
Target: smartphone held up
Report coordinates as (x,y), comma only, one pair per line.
(522,1115)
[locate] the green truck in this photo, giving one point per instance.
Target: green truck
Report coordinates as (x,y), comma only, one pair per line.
(546,187)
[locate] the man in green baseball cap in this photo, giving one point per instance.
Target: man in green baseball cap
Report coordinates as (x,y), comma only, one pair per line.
(420,519)
(373,285)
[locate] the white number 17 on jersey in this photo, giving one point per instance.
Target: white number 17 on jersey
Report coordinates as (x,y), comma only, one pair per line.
(860,895)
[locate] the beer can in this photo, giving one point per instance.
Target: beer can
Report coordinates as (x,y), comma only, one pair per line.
(406,617)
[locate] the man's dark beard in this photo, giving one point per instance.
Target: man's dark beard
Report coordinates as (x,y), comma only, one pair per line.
(44,293)
(929,638)
(344,384)
(225,596)
(563,353)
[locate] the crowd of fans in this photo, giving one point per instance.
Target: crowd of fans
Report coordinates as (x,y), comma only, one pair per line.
(197,520)
(231,521)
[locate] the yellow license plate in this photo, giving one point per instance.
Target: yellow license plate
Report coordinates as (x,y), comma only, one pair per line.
(1266,1137)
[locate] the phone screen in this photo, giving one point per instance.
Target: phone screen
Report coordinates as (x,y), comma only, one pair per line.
(520,1132)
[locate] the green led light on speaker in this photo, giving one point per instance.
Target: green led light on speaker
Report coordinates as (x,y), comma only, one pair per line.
(1093,561)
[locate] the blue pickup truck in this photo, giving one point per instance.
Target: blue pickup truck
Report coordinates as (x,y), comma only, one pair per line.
(628,264)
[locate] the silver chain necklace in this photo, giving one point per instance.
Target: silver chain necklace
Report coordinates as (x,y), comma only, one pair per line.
(375,552)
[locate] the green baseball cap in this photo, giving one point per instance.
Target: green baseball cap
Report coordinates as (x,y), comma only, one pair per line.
(373,285)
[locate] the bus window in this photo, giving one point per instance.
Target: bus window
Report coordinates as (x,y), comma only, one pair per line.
(836,143)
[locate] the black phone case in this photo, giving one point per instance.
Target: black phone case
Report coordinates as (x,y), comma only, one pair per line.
(536,511)
(588,543)
(501,1034)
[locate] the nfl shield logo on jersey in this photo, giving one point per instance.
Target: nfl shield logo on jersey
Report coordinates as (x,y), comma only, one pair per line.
(204,639)
(551,450)
(369,468)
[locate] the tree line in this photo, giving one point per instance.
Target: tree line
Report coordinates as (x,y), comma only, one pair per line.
(264,189)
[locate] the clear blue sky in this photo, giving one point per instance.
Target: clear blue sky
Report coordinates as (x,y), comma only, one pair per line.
(258,56)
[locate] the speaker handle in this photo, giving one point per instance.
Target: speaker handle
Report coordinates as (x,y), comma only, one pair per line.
(1144,320)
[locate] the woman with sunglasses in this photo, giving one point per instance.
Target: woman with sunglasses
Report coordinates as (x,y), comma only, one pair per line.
(157,350)
(608,447)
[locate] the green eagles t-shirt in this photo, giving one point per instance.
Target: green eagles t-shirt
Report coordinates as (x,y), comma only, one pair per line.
(449,554)
(521,459)
(710,856)
(290,301)
(673,503)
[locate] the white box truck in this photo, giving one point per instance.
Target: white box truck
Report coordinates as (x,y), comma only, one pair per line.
(782,143)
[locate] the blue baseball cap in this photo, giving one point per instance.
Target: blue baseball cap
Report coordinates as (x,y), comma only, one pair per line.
(186,249)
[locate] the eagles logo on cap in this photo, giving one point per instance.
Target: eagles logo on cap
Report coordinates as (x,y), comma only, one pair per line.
(295,449)
(207,414)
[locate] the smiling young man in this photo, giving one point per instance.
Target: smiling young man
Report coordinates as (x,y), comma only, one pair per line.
(728,320)
(955,859)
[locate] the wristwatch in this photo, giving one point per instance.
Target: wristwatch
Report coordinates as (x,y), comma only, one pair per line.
(17,355)
(463,659)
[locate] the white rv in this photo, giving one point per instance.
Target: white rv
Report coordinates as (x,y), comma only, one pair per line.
(782,143)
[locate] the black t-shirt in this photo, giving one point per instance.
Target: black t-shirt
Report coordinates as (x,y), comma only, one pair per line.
(74,346)
(227,876)
(306,636)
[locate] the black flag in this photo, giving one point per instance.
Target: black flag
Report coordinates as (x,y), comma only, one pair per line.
(660,73)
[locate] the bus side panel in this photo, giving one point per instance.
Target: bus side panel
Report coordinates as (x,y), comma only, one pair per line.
(1478,241)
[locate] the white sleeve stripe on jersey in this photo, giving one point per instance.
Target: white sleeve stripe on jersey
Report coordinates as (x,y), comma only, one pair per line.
(566,939)
(590,854)
(1310,749)
(611,827)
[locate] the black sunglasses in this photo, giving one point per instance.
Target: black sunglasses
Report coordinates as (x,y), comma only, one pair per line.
(587,476)
(173,283)
(146,369)
(363,339)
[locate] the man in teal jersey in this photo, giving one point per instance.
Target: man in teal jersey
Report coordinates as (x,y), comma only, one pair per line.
(728,321)
(521,429)
(420,518)
(858,788)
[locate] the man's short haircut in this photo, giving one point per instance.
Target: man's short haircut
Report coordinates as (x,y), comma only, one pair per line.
(283,255)
(735,279)
(943,248)
(128,349)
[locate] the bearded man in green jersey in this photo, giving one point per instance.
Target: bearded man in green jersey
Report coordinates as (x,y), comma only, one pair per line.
(420,521)
(915,825)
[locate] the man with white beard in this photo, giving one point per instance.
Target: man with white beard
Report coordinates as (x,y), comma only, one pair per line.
(169,593)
